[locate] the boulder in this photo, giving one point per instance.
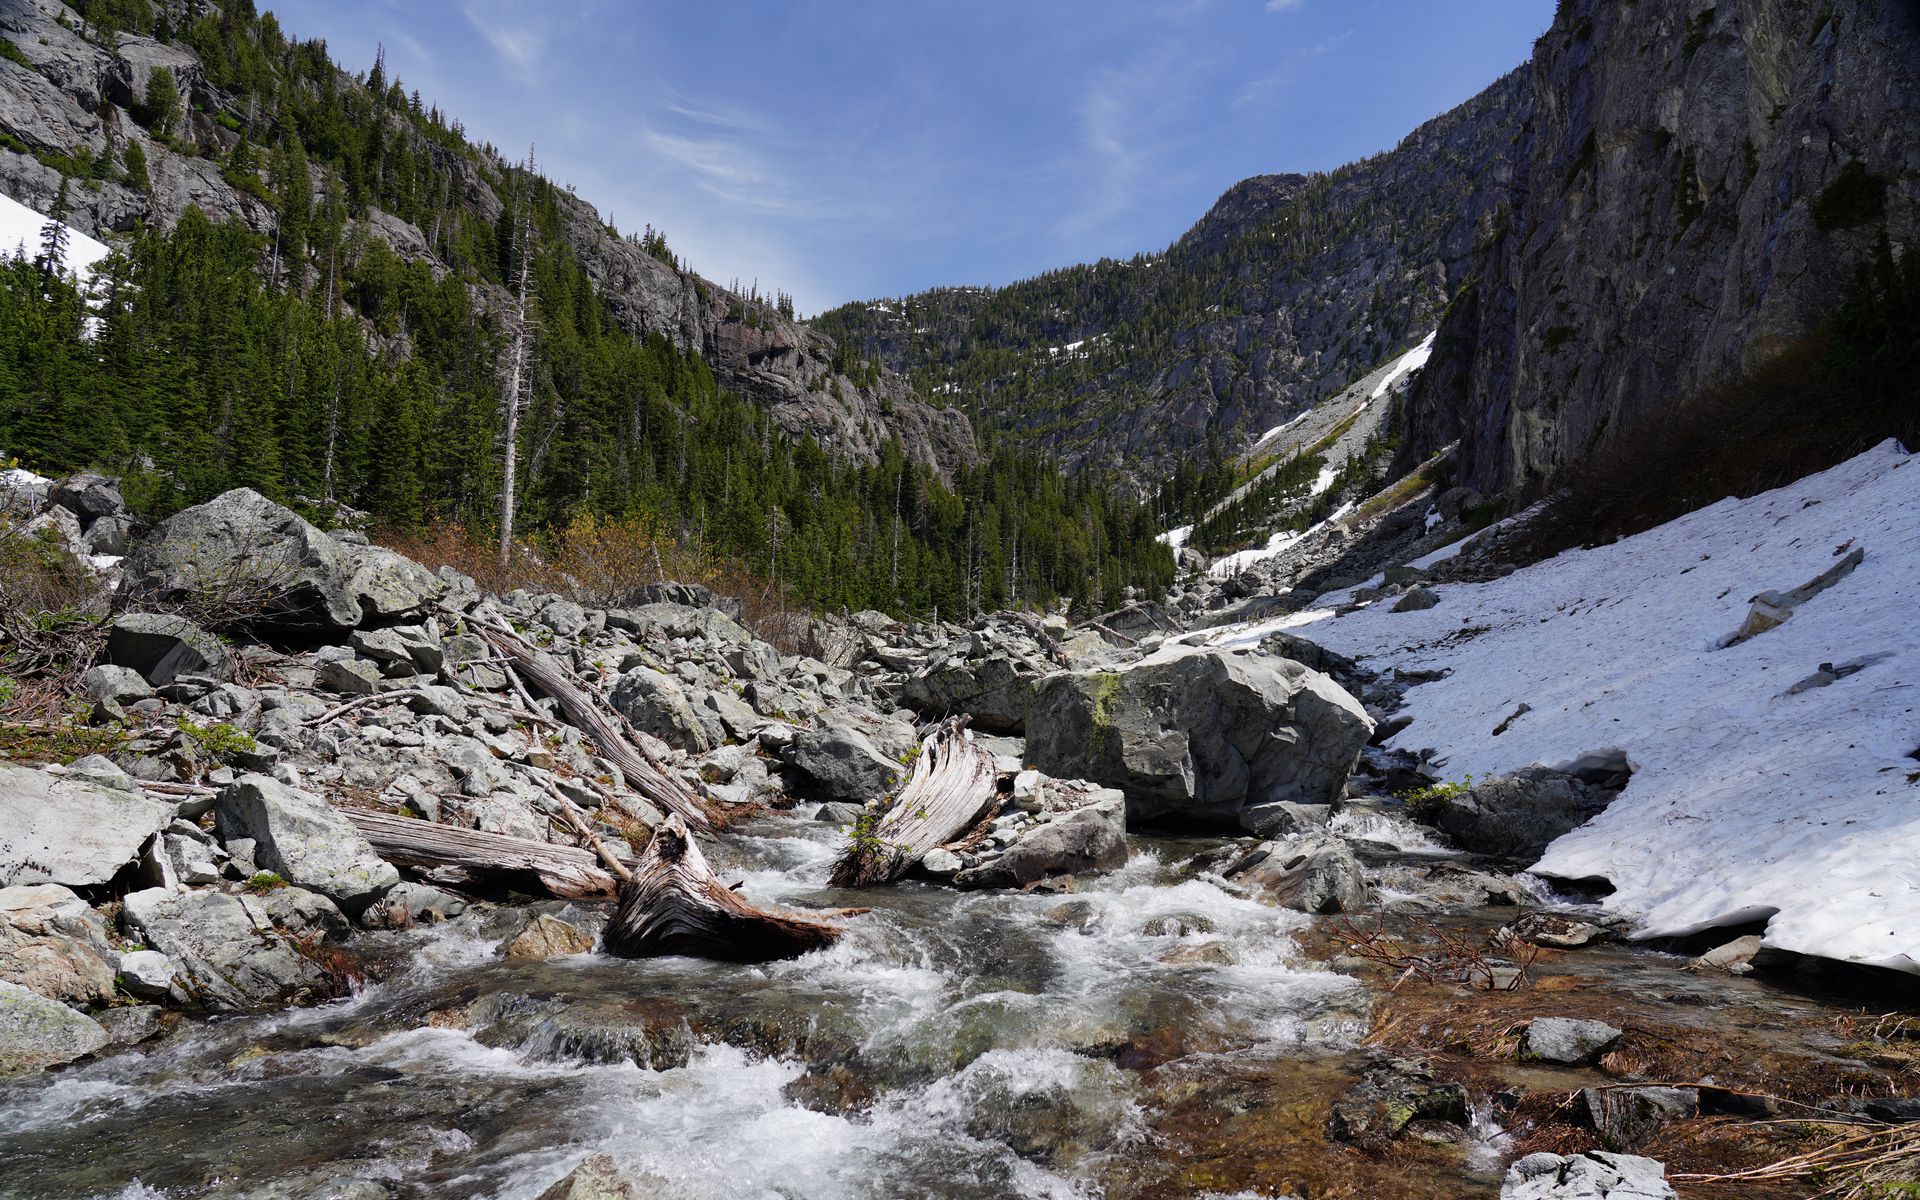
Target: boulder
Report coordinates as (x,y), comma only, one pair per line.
(835,761)
(1309,872)
(37,1033)
(1081,829)
(657,704)
(545,937)
(68,831)
(108,536)
(241,552)
(996,690)
(297,836)
(1568,1040)
(1417,599)
(147,973)
(1517,816)
(1200,735)
(225,951)
(161,646)
(53,943)
(88,497)
(1627,1117)
(600,1177)
(112,688)
(1595,1175)
(388,585)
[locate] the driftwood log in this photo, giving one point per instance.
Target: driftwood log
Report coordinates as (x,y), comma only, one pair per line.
(953,788)
(484,858)
(605,728)
(674,904)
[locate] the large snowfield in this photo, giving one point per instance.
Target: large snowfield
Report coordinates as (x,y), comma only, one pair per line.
(1748,801)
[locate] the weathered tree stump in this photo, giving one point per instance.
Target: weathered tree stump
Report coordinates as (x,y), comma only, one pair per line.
(954,787)
(674,904)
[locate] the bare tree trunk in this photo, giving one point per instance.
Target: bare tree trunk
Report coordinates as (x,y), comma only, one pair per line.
(954,788)
(674,904)
(517,368)
(606,729)
(483,858)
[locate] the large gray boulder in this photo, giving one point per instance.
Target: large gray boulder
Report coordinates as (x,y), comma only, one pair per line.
(1516,816)
(1595,1175)
(1200,735)
(225,951)
(657,704)
(388,585)
(1570,1041)
(1310,872)
(996,690)
(297,836)
(161,645)
(89,497)
(70,832)
(54,943)
(37,1033)
(242,552)
(836,761)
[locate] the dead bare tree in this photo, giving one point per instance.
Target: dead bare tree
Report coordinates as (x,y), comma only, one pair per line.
(519,368)
(953,788)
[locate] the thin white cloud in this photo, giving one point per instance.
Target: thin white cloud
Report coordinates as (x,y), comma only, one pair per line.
(1255,89)
(1275,6)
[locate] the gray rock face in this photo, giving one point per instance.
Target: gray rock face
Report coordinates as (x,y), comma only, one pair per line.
(53,943)
(225,951)
(839,762)
(300,838)
(1568,1040)
(1199,735)
(1596,1175)
(1518,815)
(1661,231)
(1080,829)
(1309,872)
(243,549)
(1626,1117)
(68,832)
(997,691)
(160,646)
(36,1033)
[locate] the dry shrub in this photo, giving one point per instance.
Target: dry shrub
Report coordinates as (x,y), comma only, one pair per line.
(603,562)
(52,621)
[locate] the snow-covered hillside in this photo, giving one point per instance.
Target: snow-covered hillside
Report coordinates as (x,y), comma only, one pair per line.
(20,228)
(1750,800)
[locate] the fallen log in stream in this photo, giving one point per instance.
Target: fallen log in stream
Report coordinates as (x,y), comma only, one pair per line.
(484,858)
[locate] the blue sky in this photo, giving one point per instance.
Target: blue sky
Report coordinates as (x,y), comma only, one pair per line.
(863,148)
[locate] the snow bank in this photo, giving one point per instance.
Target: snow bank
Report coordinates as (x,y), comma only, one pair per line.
(1748,801)
(20,228)
(1405,365)
(1240,560)
(1175,539)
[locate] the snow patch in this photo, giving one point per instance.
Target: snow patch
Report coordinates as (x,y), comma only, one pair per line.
(1240,560)
(1746,798)
(1175,539)
(20,228)
(1405,365)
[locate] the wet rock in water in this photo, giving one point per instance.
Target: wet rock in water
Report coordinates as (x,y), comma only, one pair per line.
(1284,818)
(1596,1175)
(37,1033)
(242,546)
(69,831)
(1552,929)
(130,1025)
(1081,916)
(1311,873)
(1211,953)
(585,1033)
(1516,816)
(1079,829)
(1178,924)
(52,942)
(1626,1117)
(601,1177)
(1568,1040)
(1199,735)
(1048,1106)
(547,936)
(942,863)
(839,812)
(226,953)
(298,836)
(411,903)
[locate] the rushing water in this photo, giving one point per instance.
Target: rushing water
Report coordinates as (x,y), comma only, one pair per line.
(962,1045)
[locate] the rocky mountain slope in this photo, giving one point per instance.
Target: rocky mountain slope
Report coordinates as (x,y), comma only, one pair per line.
(74,102)
(1287,291)
(1696,185)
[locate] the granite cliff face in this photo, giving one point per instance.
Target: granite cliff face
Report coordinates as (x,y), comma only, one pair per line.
(76,104)
(1290,288)
(1696,185)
